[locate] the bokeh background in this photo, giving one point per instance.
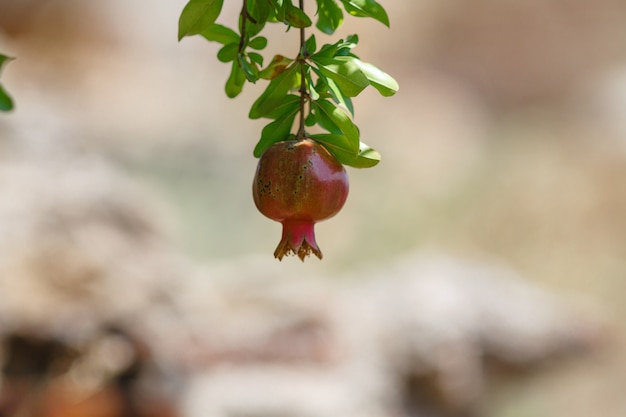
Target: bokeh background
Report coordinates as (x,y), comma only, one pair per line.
(130,239)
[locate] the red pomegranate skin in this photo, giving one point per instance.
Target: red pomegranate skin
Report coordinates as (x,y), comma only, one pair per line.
(299,183)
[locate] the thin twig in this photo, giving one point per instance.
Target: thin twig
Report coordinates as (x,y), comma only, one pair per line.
(245,16)
(303,91)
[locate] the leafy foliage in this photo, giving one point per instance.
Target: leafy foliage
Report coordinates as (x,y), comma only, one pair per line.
(6,103)
(319,82)
(197,15)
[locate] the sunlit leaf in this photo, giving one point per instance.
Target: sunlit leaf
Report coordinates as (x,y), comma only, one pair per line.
(380,80)
(339,97)
(337,142)
(296,17)
(197,16)
(329,16)
(313,94)
(365,158)
(344,72)
(341,47)
(279,8)
(366,8)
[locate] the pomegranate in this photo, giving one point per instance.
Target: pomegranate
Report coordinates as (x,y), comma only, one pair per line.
(299,183)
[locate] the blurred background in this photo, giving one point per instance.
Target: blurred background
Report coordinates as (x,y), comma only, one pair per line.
(479,270)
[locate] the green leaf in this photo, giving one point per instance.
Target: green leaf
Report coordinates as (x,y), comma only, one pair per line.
(276,4)
(310,45)
(344,72)
(380,80)
(337,142)
(4,59)
(281,108)
(6,102)
(279,8)
(221,34)
(337,121)
(276,67)
(330,16)
(249,69)
(259,10)
(258,43)
(350,42)
(338,96)
(341,47)
(366,158)
(277,130)
(275,92)
(327,88)
(236,80)
(197,16)
(344,47)
(296,17)
(228,52)
(253,29)
(256,58)
(323,120)
(310,120)
(273,9)
(366,8)
(311,88)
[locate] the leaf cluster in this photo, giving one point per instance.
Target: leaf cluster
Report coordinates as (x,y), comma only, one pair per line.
(318,84)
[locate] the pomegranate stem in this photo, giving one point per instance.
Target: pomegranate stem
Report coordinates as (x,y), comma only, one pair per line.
(303,91)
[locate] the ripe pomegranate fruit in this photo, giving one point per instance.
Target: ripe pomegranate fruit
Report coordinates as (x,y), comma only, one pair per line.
(299,183)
